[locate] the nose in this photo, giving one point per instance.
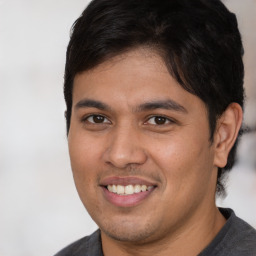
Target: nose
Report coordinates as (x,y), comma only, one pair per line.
(125,148)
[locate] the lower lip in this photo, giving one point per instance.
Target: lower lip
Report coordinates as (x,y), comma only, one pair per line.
(126,200)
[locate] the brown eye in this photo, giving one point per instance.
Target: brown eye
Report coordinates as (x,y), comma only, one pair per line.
(158,120)
(98,119)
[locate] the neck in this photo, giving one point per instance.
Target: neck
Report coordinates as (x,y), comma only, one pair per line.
(190,239)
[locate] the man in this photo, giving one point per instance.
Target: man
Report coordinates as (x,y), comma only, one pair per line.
(154,94)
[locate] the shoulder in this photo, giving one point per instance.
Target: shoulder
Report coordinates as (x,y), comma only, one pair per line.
(236,238)
(89,245)
(242,238)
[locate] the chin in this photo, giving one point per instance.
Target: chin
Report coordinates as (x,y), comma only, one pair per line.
(128,231)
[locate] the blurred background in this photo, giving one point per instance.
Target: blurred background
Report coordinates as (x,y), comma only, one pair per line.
(40,211)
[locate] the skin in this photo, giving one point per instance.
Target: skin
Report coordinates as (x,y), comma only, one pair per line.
(179,217)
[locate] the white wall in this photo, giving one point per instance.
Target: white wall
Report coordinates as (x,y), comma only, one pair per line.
(40,211)
(241,185)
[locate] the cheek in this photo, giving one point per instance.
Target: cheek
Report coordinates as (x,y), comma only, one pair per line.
(83,149)
(84,174)
(83,153)
(185,162)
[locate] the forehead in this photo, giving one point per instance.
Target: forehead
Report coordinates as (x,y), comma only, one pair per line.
(132,78)
(142,59)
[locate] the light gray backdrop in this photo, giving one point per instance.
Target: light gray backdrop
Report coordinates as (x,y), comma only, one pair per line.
(40,211)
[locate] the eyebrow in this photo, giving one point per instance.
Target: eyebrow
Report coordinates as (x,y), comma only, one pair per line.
(162,104)
(88,103)
(158,104)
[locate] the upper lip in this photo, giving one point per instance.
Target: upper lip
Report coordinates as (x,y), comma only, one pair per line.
(115,180)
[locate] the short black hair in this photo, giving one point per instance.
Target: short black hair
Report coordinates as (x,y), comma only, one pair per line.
(198,40)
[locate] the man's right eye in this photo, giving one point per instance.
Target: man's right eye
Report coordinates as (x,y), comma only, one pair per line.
(96,119)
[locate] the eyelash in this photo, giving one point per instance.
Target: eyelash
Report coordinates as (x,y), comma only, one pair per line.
(86,119)
(165,120)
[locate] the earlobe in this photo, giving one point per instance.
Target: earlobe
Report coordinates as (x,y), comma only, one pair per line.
(226,133)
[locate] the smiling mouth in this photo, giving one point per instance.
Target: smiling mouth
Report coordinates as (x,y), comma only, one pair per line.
(128,189)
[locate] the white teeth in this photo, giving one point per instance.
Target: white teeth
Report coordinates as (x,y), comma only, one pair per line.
(137,188)
(114,189)
(110,188)
(120,189)
(129,189)
(143,188)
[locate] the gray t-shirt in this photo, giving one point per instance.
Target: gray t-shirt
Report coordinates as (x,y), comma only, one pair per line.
(236,238)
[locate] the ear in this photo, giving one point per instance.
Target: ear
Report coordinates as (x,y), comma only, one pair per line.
(228,126)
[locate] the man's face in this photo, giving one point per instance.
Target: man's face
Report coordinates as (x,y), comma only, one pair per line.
(135,131)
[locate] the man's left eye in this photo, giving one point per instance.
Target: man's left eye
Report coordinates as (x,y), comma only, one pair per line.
(159,120)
